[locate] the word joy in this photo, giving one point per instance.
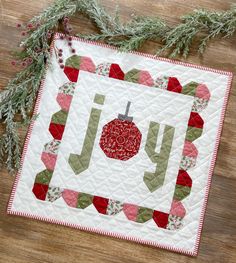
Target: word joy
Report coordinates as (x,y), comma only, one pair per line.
(121,139)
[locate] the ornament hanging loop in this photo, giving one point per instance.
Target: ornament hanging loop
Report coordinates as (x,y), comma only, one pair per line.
(125,117)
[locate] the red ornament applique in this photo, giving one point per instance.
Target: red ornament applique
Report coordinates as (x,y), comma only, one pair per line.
(120,137)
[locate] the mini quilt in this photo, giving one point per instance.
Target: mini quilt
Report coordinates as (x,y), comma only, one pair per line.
(124,145)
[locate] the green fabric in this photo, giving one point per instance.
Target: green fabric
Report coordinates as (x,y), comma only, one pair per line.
(73,62)
(132,75)
(144,214)
(99,99)
(181,192)
(193,133)
(44,177)
(59,117)
(84,200)
(155,180)
(190,89)
(80,163)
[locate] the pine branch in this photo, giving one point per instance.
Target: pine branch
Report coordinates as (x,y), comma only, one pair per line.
(10,145)
(211,24)
(20,93)
(133,35)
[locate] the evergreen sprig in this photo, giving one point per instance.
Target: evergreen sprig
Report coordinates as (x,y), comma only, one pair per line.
(208,24)
(20,93)
(201,24)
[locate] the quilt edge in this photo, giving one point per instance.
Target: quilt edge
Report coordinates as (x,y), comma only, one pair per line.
(213,161)
(194,252)
(104,233)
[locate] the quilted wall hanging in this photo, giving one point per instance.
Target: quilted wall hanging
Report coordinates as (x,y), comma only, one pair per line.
(124,145)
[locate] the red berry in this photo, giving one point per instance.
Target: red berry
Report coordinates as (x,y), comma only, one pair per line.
(62,66)
(70,38)
(60,50)
(66,20)
(60,60)
(23,64)
(18,25)
(13,63)
(23,33)
(60,55)
(37,49)
(73,50)
(69,44)
(61,37)
(30,26)
(30,60)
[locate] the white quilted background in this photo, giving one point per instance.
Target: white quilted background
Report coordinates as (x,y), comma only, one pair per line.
(111,178)
(25,202)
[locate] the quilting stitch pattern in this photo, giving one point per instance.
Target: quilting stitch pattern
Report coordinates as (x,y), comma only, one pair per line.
(133,212)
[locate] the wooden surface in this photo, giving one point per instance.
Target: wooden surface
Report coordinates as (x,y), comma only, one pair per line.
(25,240)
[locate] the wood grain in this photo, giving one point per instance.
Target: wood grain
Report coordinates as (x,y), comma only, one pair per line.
(24,240)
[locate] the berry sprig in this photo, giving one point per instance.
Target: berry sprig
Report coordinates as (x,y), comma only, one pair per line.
(67,31)
(22,62)
(24,59)
(26,29)
(59,56)
(66,25)
(60,60)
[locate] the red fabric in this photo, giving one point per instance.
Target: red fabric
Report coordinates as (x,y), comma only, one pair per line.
(71,73)
(116,72)
(195,120)
(120,139)
(160,218)
(40,191)
(100,204)
(56,130)
(174,85)
(184,179)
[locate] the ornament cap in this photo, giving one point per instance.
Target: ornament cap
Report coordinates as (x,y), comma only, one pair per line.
(125,117)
